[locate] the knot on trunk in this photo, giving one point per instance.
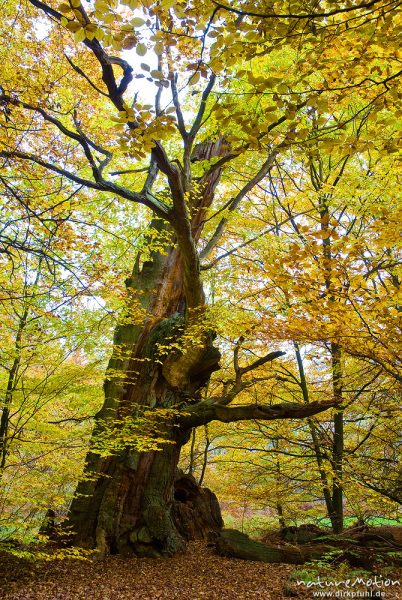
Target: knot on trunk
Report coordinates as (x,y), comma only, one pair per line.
(187,361)
(190,370)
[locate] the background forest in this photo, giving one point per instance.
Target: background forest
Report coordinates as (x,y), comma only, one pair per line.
(271,132)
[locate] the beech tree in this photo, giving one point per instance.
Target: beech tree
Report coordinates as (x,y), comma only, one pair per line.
(231,90)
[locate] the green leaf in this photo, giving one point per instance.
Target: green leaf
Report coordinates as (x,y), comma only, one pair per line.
(195,78)
(64,8)
(79,35)
(141,49)
(137,22)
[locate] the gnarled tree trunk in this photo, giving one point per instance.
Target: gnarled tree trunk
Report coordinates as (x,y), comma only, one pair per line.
(124,503)
(163,360)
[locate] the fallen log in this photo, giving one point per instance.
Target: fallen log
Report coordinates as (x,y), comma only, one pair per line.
(235,544)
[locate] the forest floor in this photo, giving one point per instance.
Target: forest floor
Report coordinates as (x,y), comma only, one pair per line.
(197,575)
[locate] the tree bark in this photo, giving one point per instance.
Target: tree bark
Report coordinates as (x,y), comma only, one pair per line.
(196,510)
(124,504)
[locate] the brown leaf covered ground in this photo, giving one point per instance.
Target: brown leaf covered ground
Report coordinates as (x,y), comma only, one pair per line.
(197,575)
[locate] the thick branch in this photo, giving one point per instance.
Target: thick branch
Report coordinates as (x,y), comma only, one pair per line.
(201,111)
(146,199)
(181,223)
(170,169)
(179,114)
(190,137)
(261,361)
(205,412)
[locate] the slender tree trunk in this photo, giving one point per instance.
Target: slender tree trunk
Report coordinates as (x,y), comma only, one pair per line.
(336,372)
(192,450)
(281,518)
(316,442)
(11,383)
(12,380)
(338,442)
(279,486)
(205,456)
